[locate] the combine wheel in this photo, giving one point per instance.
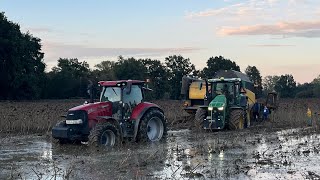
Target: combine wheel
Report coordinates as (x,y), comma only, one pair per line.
(152,126)
(236,120)
(201,114)
(104,134)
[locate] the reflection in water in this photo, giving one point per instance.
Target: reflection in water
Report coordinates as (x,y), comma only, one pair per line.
(47,152)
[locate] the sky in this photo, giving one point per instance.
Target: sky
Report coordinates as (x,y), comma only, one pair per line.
(277,36)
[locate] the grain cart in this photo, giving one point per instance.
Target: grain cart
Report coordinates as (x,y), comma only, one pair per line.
(121,113)
(227,104)
(193,91)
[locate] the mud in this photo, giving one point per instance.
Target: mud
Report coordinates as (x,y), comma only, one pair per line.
(255,153)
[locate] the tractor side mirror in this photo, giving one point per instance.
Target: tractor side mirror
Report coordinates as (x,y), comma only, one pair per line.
(128,87)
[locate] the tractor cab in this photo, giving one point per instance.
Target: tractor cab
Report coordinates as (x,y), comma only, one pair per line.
(227,101)
(229,88)
(124,96)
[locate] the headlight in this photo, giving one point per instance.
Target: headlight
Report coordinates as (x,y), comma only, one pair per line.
(210,108)
(78,121)
(220,108)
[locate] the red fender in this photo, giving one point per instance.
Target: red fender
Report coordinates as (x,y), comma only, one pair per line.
(138,112)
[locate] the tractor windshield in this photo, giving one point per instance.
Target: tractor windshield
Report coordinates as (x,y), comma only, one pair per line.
(111,94)
(224,87)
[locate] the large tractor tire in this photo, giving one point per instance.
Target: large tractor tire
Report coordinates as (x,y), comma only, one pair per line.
(201,114)
(104,134)
(152,127)
(236,119)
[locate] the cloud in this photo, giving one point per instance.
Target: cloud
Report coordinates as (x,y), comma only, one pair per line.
(297,29)
(55,50)
(232,10)
(272,45)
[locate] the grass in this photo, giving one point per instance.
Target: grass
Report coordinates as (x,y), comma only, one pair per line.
(40,116)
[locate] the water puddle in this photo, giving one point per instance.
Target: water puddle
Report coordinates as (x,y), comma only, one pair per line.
(247,154)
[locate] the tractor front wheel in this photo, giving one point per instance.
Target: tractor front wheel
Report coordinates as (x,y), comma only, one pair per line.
(152,126)
(104,134)
(236,120)
(201,114)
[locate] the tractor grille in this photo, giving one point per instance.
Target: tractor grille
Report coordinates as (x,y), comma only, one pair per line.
(75,115)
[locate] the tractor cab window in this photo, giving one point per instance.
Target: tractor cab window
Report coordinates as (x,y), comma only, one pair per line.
(111,94)
(224,87)
(134,97)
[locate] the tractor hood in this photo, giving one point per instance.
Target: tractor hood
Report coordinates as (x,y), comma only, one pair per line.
(219,102)
(94,107)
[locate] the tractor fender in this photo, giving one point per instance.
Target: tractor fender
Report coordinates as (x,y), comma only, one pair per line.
(111,120)
(138,113)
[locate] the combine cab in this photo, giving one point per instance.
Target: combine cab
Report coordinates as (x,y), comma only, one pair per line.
(121,113)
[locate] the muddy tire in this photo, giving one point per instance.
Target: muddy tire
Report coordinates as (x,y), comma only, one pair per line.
(236,119)
(152,127)
(201,114)
(104,135)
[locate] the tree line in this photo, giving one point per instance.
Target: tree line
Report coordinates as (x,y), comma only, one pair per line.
(23,76)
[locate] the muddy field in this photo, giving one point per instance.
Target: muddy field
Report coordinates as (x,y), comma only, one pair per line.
(282,148)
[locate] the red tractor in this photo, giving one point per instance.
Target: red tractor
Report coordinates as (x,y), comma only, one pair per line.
(121,113)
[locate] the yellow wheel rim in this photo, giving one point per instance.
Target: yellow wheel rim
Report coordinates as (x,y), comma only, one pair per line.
(241,123)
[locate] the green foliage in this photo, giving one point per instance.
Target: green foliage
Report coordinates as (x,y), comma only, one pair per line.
(286,86)
(69,79)
(21,62)
(305,90)
(129,69)
(256,78)
(254,75)
(177,67)
(104,71)
(269,83)
(158,76)
(316,89)
(215,64)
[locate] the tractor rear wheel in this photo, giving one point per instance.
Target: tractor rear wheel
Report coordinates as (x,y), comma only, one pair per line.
(104,134)
(236,120)
(152,126)
(201,114)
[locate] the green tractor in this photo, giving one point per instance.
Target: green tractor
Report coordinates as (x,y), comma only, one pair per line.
(227,104)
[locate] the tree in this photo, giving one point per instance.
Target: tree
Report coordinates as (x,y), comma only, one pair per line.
(129,69)
(305,90)
(269,82)
(21,62)
(69,78)
(215,64)
(177,67)
(158,76)
(104,71)
(255,77)
(316,86)
(286,86)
